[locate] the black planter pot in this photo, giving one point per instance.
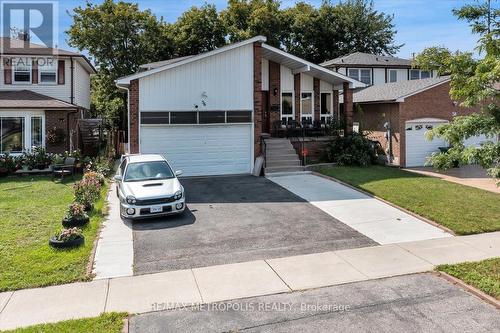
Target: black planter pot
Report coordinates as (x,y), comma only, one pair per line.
(75,222)
(63,245)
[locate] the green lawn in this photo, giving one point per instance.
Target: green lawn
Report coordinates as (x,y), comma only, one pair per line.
(105,323)
(31,211)
(463,209)
(484,275)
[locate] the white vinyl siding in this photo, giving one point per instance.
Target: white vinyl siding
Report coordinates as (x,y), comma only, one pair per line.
(220,82)
(202,150)
(378,75)
(306,82)
(82,86)
(265,74)
(286,79)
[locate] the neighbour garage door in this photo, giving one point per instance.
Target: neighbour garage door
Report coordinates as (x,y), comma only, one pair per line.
(418,148)
(201,149)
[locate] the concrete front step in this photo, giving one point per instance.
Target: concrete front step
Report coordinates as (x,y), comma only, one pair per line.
(286,158)
(283,163)
(269,170)
(270,152)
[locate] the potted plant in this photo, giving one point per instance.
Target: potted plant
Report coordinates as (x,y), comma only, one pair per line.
(76,216)
(66,238)
(7,164)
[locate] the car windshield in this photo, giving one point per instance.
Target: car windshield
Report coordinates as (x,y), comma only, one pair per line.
(142,171)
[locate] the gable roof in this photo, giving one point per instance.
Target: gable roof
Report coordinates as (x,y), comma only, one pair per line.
(10,46)
(269,52)
(367,59)
(27,99)
(397,91)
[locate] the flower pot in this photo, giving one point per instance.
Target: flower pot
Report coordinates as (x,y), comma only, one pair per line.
(75,221)
(68,244)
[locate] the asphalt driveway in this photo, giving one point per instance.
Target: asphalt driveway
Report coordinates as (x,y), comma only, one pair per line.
(411,303)
(236,219)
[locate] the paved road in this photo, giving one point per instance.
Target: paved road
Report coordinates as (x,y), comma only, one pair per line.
(236,219)
(412,303)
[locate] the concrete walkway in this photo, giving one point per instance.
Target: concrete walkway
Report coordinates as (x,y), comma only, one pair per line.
(161,291)
(367,215)
(114,255)
(469,175)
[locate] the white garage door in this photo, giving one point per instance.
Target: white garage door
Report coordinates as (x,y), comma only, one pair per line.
(418,148)
(201,150)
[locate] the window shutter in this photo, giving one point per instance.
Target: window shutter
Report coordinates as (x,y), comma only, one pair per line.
(7,71)
(34,72)
(60,72)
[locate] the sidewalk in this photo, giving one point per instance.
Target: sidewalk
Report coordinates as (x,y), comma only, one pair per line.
(161,291)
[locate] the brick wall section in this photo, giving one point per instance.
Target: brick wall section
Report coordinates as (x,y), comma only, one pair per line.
(372,121)
(257,96)
(134,116)
(296,88)
(274,84)
(317,99)
(58,119)
(432,103)
(316,149)
(348,108)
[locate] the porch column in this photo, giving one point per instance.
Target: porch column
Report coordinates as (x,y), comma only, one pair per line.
(257,97)
(348,109)
(134,117)
(274,92)
(317,99)
(336,106)
(296,88)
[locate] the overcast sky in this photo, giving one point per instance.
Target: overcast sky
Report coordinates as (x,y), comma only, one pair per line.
(419,23)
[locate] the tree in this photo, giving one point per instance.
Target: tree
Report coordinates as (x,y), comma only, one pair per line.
(332,31)
(119,38)
(198,30)
(248,18)
(475,83)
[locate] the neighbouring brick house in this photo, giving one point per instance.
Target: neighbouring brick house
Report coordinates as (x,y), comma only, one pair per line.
(409,109)
(208,112)
(43,91)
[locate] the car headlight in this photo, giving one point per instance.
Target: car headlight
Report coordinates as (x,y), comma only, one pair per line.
(131,199)
(178,195)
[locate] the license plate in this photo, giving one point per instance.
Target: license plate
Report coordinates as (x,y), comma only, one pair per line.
(156,209)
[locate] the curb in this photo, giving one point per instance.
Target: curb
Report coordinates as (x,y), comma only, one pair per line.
(387,202)
(125,328)
(473,290)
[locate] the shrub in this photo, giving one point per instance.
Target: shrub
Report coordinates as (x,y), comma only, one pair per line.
(87,191)
(66,235)
(8,164)
(354,149)
(94,175)
(38,157)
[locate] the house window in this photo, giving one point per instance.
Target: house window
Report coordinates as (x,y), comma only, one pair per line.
(48,71)
(393,75)
(11,134)
(414,74)
(22,70)
(36,132)
(306,106)
(195,117)
(155,118)
(239,116)
(326,109)
(363,75)
(212,117)
(286,106)
(183,117)
(425,74)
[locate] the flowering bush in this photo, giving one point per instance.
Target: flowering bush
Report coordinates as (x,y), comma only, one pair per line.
(76,211)
(87,191)
(95,176)
(66,235)
(37,158)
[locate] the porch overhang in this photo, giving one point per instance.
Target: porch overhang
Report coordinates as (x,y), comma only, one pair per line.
(298,65)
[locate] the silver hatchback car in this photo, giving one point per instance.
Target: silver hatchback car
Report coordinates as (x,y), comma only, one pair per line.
(147,187)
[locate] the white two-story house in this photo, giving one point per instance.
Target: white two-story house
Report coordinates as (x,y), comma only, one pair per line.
(43,91)
(373,69)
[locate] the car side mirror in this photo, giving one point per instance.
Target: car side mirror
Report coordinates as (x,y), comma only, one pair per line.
(117,178)
(178,172)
